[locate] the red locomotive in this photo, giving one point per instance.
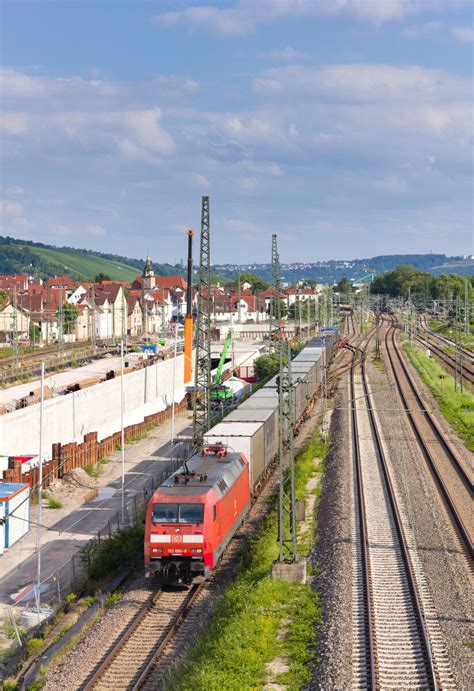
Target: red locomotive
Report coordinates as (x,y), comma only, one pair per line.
(193,515)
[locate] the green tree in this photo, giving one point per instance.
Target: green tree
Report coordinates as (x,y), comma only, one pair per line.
(3,299)
(34,333)
(257,283)
(344,286)
(452,286)
(70,313)
(101,277)
(266,366)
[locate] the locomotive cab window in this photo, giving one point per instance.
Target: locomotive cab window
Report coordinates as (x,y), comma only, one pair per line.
(178,513)
(215,511)
(165,513)
(191,513)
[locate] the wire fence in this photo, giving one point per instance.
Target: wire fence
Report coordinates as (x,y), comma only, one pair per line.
(39,602)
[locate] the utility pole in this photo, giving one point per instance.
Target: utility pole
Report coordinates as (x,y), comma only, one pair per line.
(60,324)
(238,303)
(15,326)
(202,370)
(377,334)
(466,308)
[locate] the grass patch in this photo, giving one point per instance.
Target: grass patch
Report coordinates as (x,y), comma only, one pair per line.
(243,635)
(134,440)
(112,599)
(456,406)
(448,330)
(52,502)
(93,470)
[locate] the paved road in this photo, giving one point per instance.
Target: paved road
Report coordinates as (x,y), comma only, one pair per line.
(73,526)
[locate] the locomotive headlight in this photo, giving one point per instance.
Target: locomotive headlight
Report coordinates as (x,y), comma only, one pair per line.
(157,550)
(195,550)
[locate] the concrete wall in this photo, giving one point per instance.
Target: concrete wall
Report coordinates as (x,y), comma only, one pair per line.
(67,418)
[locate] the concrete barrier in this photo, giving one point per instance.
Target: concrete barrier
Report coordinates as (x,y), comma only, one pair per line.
(68,418)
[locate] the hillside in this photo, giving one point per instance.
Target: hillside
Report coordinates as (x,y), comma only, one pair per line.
(333,270)
(19,256)
(22,256)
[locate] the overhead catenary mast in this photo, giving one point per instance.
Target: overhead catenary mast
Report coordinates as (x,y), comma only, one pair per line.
(202,370)
(288,566)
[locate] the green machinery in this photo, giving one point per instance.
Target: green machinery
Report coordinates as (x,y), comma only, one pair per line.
(220,391)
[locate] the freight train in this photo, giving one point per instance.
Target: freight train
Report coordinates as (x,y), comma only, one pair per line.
(193,515)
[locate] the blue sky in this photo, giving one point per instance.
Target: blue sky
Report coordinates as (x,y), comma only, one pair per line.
(345,126)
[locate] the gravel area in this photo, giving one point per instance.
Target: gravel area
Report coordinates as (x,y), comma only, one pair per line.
(331,558)
(73,669)
(443,562)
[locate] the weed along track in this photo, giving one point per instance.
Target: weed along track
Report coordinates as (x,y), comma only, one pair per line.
(392,648)
(131,659)
(452,476)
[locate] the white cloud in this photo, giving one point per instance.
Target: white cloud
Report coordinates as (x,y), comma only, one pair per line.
(244,16)
(463,33)
(15,190)
(362,82)
(289,54)
(14,122)
(77,230)
(8,208)
(17,83)
(200,180)
(94,230)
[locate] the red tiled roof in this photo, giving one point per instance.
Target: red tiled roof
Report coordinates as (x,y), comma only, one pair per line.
(171,282)
(61,281)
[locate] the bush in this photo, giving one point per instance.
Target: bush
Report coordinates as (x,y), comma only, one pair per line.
(124,548)
(266,366)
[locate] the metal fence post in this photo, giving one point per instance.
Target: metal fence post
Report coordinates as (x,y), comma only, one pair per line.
(59,587)
(73,574)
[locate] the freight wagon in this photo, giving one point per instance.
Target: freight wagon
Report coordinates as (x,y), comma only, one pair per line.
(193,515)
(269,418)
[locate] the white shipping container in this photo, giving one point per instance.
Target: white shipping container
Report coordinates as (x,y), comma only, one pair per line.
(247,437)
(270,421)
(15,507)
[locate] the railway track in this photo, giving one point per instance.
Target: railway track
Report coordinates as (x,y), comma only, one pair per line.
(129,662)
(467,354)
(392,647)
(448,360)
(452,475)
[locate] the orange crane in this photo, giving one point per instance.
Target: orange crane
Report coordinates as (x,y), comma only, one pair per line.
(188,321)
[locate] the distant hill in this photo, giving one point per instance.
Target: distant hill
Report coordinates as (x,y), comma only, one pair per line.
(38,259)
(333,270)
(23,256)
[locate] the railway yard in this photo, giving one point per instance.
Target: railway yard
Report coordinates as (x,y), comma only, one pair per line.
(390,564)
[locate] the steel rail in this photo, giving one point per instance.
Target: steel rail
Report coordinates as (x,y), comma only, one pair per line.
(410,574)
(447,359)
(465,352)
(364,540)
(182,612)
(114,652)
(464,532)
(434,426)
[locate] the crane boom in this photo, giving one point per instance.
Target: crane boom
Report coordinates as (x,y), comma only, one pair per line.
(218,374)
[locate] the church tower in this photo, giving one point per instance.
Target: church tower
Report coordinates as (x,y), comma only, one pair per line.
(148,276)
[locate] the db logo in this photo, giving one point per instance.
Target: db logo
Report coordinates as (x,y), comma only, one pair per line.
(176,538)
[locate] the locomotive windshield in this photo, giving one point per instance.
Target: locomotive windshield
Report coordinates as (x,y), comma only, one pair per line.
(178,513)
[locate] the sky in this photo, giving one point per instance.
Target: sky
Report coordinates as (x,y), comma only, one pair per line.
(344,126)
